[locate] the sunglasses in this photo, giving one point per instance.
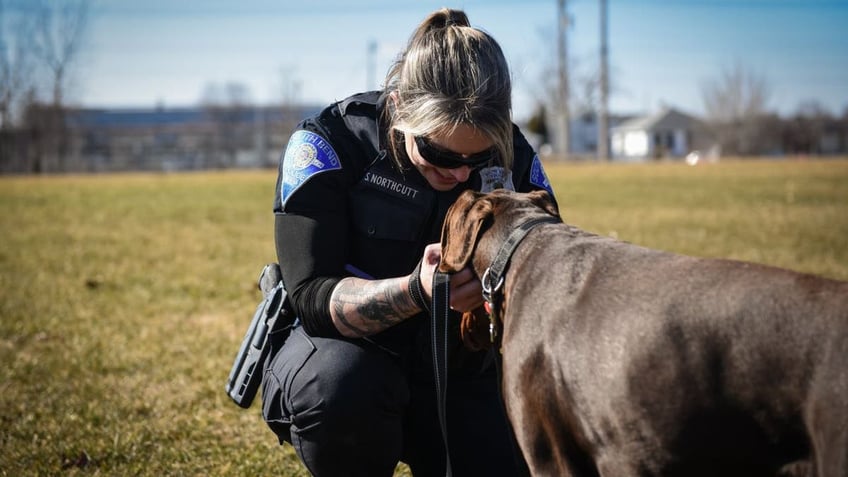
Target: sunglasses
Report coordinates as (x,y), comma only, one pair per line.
(441,157)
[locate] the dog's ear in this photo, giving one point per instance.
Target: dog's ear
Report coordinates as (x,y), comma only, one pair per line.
(543,200)
(459,232)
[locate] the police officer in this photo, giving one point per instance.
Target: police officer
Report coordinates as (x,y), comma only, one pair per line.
(362,192)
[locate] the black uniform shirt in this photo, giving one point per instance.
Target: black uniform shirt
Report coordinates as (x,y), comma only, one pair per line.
(344,208)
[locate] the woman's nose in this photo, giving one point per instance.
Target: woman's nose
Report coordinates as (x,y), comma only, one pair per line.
(461,173)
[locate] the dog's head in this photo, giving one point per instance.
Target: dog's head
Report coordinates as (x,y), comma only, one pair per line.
(494,215)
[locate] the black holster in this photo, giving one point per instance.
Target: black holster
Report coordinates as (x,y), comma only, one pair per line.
(273,317)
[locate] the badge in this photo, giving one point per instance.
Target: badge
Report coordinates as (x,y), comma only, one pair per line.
(538,177)
(495,177)
(307,155)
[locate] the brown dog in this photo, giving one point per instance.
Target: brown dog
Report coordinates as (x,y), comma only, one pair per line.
(620,360)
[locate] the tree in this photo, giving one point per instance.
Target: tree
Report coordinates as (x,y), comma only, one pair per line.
(227,106)
(16,64)
(39,41)
(58,36)
(538,123)
(583,91)
(735,103)
(807,128)
(60,29)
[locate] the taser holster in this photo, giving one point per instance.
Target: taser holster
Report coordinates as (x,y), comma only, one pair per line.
(272,316)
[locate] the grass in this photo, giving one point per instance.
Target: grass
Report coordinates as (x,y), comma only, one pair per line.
(123,298)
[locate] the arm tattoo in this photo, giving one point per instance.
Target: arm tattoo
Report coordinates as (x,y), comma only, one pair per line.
(364,307)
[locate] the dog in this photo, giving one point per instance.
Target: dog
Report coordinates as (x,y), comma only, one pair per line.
(619,360)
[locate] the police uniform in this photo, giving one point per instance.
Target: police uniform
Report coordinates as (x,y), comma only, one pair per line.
(344,207)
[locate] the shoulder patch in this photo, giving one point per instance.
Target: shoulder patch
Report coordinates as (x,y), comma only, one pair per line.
(496,177)
(307,155)
(538,177)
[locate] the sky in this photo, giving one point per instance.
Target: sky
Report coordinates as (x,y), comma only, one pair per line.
(661,52)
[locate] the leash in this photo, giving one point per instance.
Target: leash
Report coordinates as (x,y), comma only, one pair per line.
(493,277)
(439,314)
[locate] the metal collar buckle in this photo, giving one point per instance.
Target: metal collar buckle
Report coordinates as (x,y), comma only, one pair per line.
(489,291)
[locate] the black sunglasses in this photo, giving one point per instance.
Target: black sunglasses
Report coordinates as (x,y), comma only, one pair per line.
(446,159)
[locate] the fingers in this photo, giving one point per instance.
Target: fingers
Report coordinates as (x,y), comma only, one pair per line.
(429,262)
(466,291)
(433,253)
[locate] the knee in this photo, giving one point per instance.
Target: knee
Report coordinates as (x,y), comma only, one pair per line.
(344,384)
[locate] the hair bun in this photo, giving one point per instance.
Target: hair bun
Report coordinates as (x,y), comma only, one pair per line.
(447,17)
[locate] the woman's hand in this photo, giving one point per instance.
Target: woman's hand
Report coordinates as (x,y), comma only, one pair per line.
(466,292)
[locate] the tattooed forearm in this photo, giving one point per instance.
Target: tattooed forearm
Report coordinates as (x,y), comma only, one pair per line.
(365,307)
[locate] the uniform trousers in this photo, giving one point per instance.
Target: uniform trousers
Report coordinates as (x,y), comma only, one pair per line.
(350,408)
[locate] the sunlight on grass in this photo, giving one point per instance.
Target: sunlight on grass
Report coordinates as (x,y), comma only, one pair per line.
(124,297)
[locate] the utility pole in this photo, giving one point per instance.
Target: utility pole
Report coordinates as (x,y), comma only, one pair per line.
(563,117)
(371,66)
(603,114)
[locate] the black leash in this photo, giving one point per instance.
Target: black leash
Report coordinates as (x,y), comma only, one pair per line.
(439,314)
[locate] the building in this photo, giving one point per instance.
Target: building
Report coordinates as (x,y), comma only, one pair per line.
(181,138)
(667,134)
(583,135)
(152,139)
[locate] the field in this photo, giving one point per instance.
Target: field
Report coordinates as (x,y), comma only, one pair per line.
(123,298)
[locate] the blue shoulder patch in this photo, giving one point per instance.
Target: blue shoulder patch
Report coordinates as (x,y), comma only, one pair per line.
(538,177)
(307,154)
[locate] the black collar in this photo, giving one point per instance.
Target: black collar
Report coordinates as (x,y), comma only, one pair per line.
(493,277)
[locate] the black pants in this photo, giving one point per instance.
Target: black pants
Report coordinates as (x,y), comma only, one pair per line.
(351,409)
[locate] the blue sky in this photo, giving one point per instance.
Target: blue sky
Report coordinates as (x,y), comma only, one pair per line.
(142,53)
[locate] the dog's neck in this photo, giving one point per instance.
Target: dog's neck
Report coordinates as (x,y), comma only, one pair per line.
(492,240)
(493,277)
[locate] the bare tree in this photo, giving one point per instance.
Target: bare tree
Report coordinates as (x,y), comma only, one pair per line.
(59,31)
(735,103)
(227,106)
(583,92)
(16,64)
(807,128)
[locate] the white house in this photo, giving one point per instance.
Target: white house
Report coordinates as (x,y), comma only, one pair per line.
(583,137)
(666,134)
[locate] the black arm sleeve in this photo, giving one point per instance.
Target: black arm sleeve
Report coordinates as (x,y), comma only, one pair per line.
(310,295)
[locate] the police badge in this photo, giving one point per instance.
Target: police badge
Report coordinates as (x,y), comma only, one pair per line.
(495,177)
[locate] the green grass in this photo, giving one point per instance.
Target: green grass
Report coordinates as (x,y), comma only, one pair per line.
(123,298)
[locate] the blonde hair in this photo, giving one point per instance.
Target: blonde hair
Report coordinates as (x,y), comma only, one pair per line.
(451,74)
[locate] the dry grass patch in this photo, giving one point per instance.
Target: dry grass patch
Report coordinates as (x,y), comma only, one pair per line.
(123,298)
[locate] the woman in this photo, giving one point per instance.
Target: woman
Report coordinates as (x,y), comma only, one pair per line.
(362,193)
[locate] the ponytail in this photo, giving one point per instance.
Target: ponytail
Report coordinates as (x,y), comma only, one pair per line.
(451,74)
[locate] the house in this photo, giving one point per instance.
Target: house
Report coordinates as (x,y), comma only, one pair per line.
(583,134)
(667,134)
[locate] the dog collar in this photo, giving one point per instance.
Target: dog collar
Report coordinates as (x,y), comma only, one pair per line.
(493,277)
